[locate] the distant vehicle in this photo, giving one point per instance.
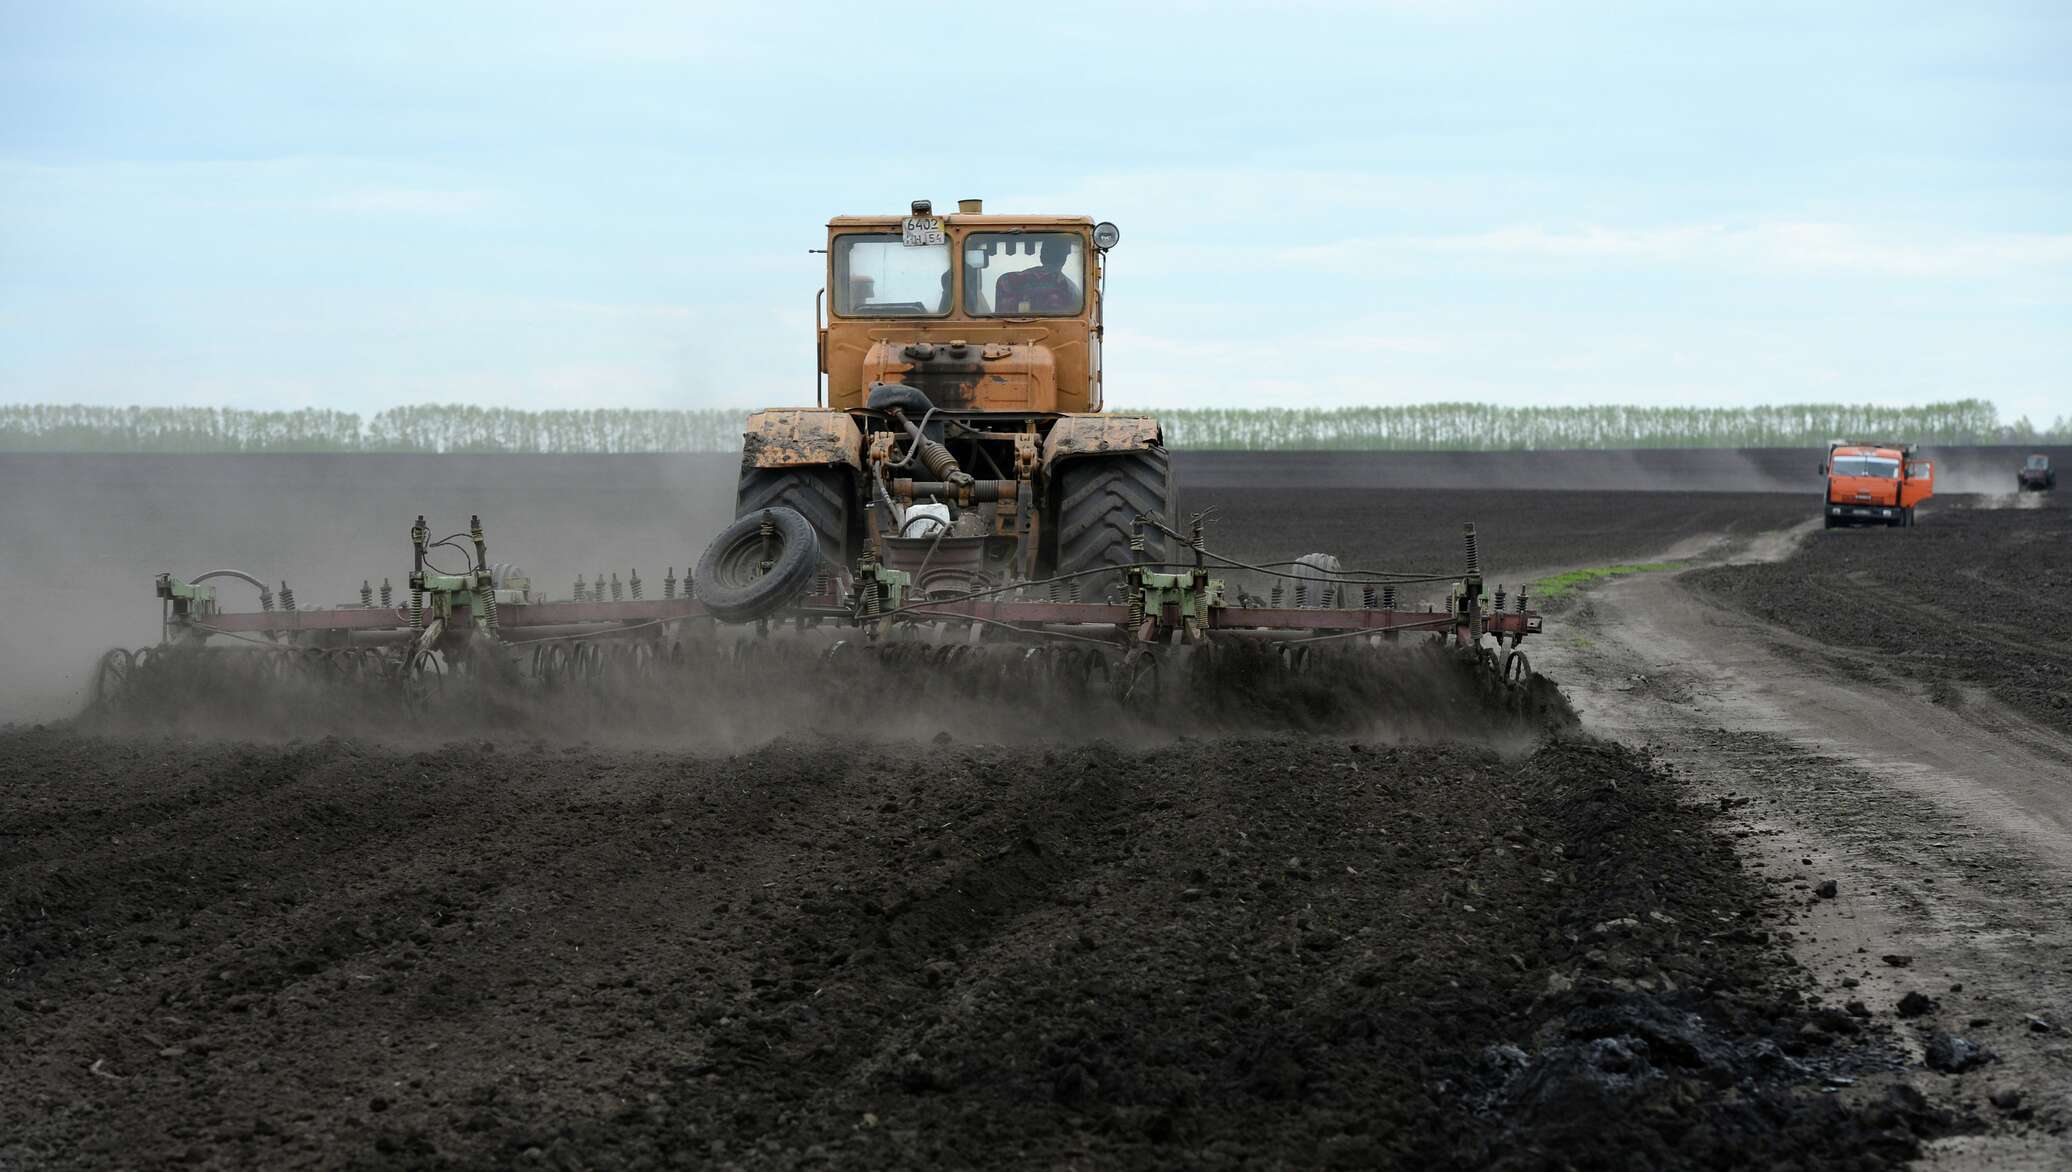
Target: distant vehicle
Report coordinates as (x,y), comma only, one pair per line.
(2036,475)
(1874,484)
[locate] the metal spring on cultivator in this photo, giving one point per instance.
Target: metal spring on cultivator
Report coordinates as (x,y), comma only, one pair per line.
(669,584)
(265,600)
(367,592)
(488,597)
(618,588)
(633,584)
(387,594)
(287,598)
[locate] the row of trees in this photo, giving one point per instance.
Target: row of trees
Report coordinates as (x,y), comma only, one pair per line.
(1422,427)
(1484,427)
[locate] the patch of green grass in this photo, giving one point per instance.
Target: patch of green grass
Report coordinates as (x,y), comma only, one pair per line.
(1560,584)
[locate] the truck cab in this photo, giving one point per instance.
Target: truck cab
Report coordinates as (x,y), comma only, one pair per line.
(1874,484)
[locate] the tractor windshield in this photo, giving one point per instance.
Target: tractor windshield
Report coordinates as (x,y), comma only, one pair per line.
(1024,274)
(1881,467)
(878,276)
(2038,463)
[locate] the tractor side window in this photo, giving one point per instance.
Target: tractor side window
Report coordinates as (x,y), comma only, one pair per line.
(877,276)
(1024,274)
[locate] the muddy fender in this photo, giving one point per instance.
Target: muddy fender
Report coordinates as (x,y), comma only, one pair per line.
(1093,435)
(793,437)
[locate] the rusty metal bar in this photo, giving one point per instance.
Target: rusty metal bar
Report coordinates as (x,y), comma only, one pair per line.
(537,614)
(1234,617)
(977,490)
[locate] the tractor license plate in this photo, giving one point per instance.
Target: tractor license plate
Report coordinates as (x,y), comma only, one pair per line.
(921,231)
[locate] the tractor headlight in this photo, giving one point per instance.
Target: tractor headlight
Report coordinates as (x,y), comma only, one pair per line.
(1106,235)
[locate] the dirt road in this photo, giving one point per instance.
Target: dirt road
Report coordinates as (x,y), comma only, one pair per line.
(1945,828)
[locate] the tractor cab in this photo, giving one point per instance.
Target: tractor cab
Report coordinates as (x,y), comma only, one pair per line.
(977,312)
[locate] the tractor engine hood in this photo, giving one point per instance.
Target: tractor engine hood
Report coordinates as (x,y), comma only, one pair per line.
(969,376)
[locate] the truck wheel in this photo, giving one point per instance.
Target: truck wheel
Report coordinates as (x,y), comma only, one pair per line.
(731,579)
(818,493)
(1099,499)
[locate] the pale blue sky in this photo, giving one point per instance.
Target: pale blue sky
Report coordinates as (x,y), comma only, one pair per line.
(557,204)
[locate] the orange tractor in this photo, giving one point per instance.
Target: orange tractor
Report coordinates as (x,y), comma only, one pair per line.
(1874,484)
(961,421)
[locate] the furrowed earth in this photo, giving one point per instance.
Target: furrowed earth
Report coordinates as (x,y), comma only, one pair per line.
(858,943)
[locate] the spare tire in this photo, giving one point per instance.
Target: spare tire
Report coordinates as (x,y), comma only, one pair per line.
(731,580)
(911,400)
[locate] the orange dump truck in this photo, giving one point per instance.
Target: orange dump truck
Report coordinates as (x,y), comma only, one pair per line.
(1874,484)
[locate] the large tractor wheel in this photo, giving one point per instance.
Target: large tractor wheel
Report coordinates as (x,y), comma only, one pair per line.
(819,494)
(1099,500)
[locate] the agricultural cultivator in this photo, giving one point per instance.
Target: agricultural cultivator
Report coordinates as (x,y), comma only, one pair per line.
(1319,645)
(955,520)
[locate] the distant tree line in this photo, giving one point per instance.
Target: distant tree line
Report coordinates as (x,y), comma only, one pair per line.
(1484,427)
(1422,427)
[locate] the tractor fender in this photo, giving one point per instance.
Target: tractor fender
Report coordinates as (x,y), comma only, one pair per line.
(1096,435)
(792,437)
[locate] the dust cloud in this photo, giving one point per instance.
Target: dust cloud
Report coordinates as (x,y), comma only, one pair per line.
(82,536)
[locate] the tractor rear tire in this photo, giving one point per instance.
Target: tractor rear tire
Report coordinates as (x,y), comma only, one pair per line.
(1099,500)
(818,493)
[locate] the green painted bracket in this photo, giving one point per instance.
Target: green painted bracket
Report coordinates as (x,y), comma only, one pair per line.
(171,587)
(1193,594)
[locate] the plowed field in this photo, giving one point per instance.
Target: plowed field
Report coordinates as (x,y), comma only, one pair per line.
(1973,598)
(543,944)
(1242,952)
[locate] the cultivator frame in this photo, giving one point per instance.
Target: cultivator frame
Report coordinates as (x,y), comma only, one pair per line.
(487,624)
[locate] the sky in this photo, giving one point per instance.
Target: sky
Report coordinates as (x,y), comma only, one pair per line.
(357,206)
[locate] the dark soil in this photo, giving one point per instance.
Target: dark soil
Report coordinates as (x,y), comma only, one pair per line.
(1518,532)
(1971,596)
(1266,952)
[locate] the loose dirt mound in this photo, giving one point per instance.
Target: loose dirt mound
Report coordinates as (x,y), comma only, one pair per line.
(1969,597)
(1267,951)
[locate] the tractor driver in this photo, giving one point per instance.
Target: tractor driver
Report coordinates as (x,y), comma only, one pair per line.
(1040,290)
